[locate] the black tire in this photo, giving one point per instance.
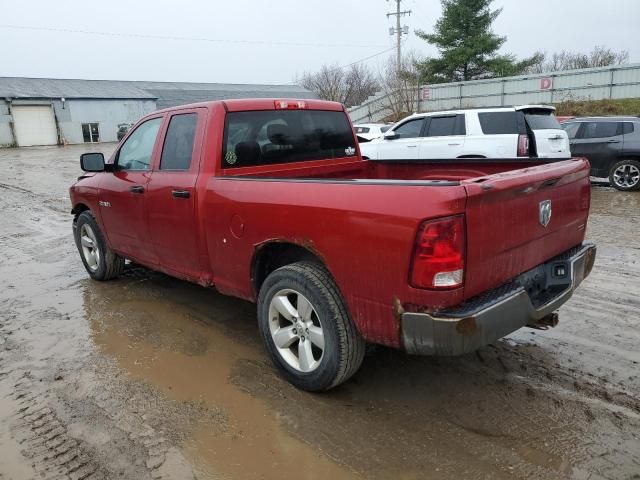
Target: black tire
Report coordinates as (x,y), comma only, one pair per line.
(343,346)
(630,183)
(109,264)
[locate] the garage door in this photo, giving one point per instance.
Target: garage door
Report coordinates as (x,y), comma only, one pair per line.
(34,125)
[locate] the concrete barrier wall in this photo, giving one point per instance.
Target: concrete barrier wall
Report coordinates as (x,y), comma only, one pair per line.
(587,84)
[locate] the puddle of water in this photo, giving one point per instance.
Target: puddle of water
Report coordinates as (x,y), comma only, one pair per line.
(190,361)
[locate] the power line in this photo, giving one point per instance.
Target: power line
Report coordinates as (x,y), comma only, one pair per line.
(178,38)
(342,67)
(369,57)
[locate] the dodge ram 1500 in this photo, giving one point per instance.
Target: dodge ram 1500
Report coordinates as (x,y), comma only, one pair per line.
(270,200)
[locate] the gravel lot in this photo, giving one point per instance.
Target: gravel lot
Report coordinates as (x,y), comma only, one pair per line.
(151,377)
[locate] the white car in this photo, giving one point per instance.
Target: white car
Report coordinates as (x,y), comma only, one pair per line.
(500,132)
(369,131)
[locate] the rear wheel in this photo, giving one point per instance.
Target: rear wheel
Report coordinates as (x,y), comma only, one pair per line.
(306,329)
(625,175)
(99,260)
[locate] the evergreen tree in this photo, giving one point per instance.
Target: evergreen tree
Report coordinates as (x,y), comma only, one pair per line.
(468,47)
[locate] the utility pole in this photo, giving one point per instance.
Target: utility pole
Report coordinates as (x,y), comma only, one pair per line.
(399,31)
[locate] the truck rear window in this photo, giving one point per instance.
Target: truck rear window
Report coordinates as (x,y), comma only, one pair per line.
(284,136)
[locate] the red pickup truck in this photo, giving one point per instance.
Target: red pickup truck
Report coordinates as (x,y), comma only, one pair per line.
(269,200)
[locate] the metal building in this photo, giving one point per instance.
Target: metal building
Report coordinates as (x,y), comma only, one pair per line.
(46,111)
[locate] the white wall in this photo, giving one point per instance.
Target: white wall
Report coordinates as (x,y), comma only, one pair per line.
(6,137)
(70,117)
(107,113)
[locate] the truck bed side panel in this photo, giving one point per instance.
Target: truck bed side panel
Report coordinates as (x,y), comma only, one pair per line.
(364,234)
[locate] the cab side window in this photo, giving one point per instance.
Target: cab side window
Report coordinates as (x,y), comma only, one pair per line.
(136,152)
(178,143)
(410,129)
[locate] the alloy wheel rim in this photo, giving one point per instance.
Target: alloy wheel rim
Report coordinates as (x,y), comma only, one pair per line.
(90,250)
(626,176)
(296,330)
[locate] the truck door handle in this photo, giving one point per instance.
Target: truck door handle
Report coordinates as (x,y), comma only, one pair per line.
(453,144)
(613,141)
(181,193)
(412,146)
(137,189)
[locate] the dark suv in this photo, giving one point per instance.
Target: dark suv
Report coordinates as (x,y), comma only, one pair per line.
(612,145)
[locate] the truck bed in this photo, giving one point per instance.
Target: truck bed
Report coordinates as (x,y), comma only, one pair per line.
(393,170)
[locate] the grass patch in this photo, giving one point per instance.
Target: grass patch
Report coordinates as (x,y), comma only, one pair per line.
(595,108)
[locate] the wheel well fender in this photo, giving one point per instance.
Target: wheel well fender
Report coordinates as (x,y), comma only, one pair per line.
(78,208)
(273,254)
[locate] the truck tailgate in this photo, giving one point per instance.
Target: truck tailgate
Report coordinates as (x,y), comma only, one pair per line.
(506,215)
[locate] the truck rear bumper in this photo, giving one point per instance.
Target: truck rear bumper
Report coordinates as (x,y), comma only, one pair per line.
(528,299)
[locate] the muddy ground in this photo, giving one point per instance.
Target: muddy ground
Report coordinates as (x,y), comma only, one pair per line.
(150,377)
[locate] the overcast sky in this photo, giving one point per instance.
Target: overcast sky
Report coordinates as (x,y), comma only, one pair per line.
(254,41)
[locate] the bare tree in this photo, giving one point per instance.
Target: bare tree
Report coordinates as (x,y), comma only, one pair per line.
(600,56)
(350,86)
(401,87)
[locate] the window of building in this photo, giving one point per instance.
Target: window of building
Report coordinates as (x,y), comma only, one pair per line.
(90,133)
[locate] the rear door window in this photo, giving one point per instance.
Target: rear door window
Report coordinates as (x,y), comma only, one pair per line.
(627,127)
(178,143)
(499,123)
(410,129)
(284,136)
(601,129)
(446,126)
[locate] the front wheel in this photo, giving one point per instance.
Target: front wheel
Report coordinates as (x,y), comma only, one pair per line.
(306,329)
(625,175)
(99,260)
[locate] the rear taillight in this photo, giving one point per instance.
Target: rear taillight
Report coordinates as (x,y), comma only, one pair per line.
(523,146)
(438,258)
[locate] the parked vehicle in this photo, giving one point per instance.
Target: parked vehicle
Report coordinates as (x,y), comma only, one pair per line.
(612,145)
(270,201)
(502,132)
(123,128)
(564,118)
(369,131)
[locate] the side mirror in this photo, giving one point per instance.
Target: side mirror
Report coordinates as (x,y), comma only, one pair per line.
(92,162)
(390,135)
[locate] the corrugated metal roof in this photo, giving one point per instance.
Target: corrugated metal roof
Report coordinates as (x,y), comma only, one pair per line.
(20,87)
(168,94)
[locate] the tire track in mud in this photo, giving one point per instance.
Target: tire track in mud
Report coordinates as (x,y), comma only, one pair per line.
(98,433)
(60,434)
(46,442)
